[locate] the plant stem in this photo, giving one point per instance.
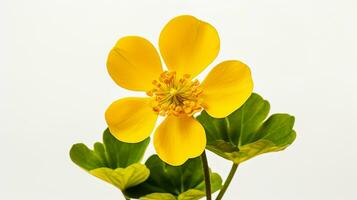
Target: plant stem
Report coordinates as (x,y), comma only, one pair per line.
(228,181)
(207,175)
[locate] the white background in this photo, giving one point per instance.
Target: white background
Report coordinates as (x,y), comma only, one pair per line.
(55,89)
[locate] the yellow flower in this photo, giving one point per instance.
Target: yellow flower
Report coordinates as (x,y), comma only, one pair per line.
(187,46)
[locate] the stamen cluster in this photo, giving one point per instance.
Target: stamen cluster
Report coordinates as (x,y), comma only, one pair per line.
(176,96)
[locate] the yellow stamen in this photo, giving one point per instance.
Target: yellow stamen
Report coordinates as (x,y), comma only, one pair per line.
(173,91)
(176,96)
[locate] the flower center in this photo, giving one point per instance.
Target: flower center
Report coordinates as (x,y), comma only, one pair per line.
(176,95)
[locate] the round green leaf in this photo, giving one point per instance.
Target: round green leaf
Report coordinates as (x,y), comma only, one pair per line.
(122,154)
(112,153)
(191,194)
(244,134)
(113,161)
(123,178)
(158,196)
(85,157)
(183,182)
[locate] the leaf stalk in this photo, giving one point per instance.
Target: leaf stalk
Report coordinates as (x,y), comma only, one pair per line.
(207,175)
(228,181)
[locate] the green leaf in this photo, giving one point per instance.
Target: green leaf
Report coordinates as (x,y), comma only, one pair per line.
(113,161)
(158,196)
(192,194)
(121,154)
(86,158)
(183,182)
(244,134)
(123,178)
(216,183)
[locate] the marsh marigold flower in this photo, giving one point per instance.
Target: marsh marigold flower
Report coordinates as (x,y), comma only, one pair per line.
(187,46)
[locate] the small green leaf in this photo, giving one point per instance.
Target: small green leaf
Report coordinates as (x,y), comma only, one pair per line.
(183,182)
(86,158)
(244,134)
(121,154)
(158,196)
(216,183)
(113,161)
(123,178)
(191,194)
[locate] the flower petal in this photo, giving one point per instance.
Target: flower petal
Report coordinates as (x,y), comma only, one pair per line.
(131,119)
(134,63)
(178,139)
(226,88)
(188,45)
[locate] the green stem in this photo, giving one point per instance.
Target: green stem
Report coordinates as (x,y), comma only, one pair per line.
(207,175)
(228,181)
